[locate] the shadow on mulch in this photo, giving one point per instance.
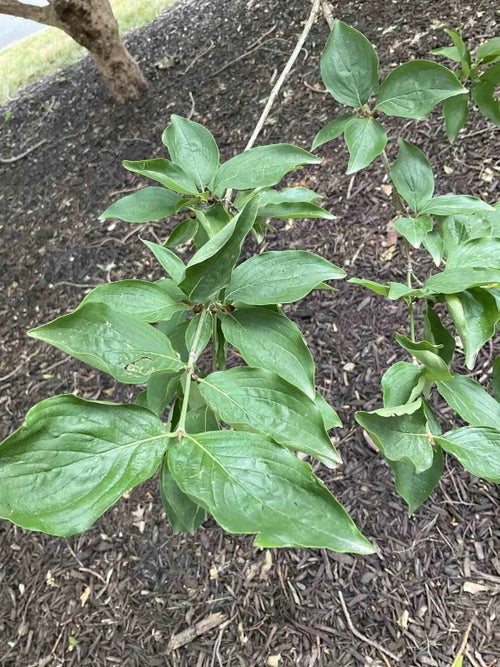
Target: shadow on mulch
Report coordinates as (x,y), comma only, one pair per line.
(117,594)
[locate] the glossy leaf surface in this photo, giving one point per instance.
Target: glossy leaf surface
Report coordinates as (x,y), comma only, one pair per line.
(415,487)
(365,139)
(184,515)
(146,205)
(477,449)
(73,459)
(413,89)
(267,339)
(279,277)
(470,401)
(264,403)
(140,298)
(123,346)
(251,485)
(456,113)
(192,147)
(332,130)
(428,355)
(400,438)
(475,314)
(412,175)
(263,166)
(210,269)
(349,66)
(173,265)
(165,172)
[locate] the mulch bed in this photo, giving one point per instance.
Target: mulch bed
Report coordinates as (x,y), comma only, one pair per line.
(117,594)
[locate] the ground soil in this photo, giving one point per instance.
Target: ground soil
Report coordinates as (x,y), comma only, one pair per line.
(118,593)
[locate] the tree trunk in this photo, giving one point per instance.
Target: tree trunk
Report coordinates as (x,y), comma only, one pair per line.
(92,24)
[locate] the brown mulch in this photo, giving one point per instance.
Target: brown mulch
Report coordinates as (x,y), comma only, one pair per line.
(119,593)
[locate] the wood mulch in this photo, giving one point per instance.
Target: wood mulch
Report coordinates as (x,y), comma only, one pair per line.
(127,592)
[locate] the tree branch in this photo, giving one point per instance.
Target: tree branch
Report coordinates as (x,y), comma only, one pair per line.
(45,15)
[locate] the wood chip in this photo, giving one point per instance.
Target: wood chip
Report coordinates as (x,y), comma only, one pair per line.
(186,636)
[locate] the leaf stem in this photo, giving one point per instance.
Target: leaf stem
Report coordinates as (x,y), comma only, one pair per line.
(194,353)
(400,209)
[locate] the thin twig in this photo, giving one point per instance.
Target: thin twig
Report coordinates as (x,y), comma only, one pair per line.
(281,79)
(199,56)
(463,645)
(253,47)
(327,13)
(15,158)
(193,105)
(361,636)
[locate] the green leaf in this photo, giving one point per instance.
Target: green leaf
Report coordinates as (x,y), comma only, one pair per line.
(172,264)
(192,147)
(201,419)
(483,94)
(161,390)
(349,66)
(332,130)
(470,401)
(412,175)
(456,113)
(400,438)
(146,205)
(454,205)
(72,459)
(279,277)
(382,290)
(481,253)
(263,166)
(433,243)
(399,383)
(402,291)
(205,333)
(436,333)
(213,219)
(330,417)
(495,388)
(184,515)
(459,44)
(489,51)
(263,402)
(450,52)
(267,339)
(121,345)
(414,230)
(140,298)
(182,233)
(474,313)
(477,449)
(286,210)
(451,281)
(210,269)
(171,288)
(365,139)
(413,89)
(415,487)
(243,479)
(428,355)
(165,172)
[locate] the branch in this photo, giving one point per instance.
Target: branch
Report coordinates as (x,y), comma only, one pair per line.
(316,6)
(45,15)
(281,80)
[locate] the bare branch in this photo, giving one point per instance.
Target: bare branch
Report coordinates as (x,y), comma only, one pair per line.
(44,15)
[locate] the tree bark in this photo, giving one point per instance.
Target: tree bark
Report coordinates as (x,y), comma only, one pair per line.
(92,24)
